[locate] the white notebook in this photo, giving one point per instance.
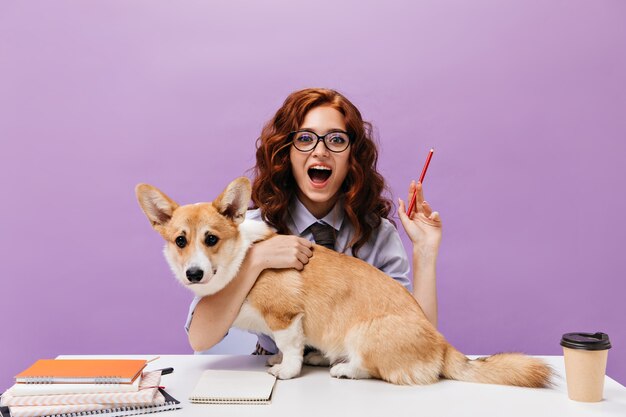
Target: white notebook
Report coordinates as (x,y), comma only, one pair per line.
(233,387)
(19,390)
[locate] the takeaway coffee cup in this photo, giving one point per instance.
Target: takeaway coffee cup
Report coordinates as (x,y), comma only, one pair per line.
(585,364)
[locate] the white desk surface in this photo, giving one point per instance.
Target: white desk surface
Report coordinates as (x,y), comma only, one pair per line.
(316,393)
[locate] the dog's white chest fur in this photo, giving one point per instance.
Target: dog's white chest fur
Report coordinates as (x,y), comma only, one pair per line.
(249,318)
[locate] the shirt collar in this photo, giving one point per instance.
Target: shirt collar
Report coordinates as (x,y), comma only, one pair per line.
(303,219)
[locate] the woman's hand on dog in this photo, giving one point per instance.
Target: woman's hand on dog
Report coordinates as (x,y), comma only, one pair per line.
(422,225)
(282,251)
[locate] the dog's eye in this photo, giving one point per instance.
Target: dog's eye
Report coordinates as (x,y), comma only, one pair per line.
(211,240)
(181,241)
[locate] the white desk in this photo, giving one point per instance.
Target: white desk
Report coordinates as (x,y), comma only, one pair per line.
(315,393)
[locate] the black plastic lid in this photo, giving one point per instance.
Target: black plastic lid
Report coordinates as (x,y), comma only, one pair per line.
(586,341)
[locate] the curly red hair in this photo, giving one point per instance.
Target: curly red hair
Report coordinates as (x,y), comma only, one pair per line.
(274,185)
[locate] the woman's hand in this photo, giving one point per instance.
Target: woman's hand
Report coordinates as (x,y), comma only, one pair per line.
(282,251)
(422,225)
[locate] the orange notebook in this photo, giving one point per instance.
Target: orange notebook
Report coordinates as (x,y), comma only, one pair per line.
(82,371)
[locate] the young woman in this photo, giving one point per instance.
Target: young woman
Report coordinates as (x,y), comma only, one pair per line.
(316,169)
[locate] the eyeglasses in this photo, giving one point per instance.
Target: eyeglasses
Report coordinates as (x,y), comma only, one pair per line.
(306,140)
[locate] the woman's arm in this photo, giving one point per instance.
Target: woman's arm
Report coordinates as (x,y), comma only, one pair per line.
(215,314)
(425,284)
(423,226)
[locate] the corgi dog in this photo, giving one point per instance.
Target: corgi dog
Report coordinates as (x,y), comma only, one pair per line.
(362,322)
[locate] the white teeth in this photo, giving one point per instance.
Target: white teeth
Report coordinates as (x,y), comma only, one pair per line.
(321,168)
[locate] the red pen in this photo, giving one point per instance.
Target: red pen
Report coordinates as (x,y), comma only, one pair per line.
(412,204)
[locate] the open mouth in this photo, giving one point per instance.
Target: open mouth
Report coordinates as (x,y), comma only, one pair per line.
(319,174)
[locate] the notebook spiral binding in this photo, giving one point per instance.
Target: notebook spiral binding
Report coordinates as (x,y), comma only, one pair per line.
(52,380)
(145,409)
(204,400)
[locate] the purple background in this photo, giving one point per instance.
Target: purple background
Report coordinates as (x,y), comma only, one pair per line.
(524,102)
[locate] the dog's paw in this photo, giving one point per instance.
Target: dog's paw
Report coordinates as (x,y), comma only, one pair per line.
(316,358)
(285,371)
(275,359)
(340,371)
(347,370)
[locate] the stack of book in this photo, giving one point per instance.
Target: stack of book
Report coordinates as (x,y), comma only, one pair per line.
(83,387)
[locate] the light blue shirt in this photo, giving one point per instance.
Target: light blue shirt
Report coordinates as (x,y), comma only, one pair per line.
(384,249)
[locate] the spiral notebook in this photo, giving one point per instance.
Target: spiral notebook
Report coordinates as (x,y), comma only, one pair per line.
(85,371)
(20,390)
(168,403)
(233,387)
(143,396)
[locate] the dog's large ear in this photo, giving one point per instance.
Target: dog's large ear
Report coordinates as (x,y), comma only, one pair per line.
(156,205)
(234,200)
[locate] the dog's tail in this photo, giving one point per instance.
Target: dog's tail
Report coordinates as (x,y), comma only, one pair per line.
(502,368)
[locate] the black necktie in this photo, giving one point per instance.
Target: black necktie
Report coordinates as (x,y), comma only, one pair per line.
(323,234)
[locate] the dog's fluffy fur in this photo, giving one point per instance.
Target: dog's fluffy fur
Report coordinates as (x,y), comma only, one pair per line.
(365,324)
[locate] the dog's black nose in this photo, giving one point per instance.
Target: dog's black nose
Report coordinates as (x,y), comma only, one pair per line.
(194,274)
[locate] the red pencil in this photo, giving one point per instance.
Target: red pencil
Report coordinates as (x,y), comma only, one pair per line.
(412,204)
